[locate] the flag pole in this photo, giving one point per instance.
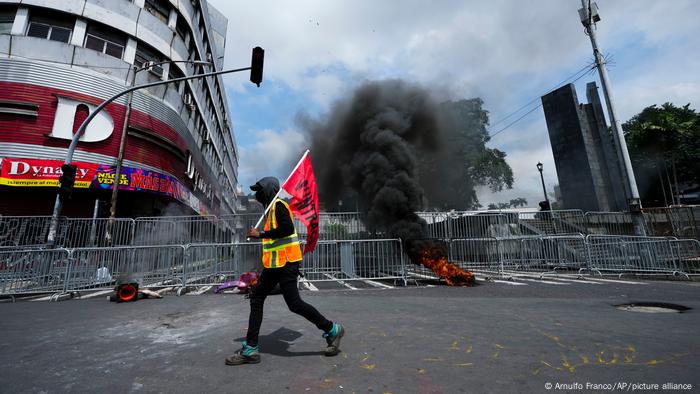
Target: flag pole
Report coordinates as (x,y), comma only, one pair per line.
(280,190)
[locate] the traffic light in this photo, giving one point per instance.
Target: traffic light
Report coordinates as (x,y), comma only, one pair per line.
(67,180)
(256,65)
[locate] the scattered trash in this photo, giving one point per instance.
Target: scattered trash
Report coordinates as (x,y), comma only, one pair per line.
(243,284)
(103,275)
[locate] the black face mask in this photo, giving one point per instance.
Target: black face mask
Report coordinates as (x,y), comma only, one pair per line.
(259,197)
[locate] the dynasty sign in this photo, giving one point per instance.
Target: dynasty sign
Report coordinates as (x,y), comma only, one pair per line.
(45,173)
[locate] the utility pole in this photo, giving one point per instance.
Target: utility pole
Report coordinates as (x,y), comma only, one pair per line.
(120,158)
(589,16)
(122,142)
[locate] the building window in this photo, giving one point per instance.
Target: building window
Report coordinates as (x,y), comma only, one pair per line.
(145,55)
(181,28)
(105,40)
(54,28)
(158,8)
(7,18)
(174,73)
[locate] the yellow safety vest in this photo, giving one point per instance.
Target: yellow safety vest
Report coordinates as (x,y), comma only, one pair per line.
(277,252)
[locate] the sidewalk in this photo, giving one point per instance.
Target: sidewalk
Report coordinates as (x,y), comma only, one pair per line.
(489,338)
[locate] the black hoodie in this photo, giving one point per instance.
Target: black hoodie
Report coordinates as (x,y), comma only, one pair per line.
(265,190)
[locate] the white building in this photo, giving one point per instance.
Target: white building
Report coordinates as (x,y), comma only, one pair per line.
(60,59)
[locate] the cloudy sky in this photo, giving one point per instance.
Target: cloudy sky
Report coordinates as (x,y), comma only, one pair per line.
(507,52)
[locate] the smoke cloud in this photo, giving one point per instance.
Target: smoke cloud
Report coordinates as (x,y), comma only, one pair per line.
(371,144)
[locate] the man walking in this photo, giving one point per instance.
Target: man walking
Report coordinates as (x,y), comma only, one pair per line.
(281,258)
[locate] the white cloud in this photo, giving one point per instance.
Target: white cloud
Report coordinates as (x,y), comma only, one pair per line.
(505,51)
(273,154)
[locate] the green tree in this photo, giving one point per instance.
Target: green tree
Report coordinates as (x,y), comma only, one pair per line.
(464,158)
(518,202)
(664,146)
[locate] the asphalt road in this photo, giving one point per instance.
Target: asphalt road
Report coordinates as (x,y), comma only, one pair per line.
(495,337)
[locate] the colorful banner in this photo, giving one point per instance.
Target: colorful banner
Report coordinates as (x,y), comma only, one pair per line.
(301,185)
(43,173)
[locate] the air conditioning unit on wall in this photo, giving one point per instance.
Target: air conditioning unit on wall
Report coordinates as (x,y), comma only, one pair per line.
(187,100)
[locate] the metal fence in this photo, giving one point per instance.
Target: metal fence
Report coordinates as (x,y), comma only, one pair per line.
(681,222)
(213,264)
(20,231)
(24,230)
(355,259)
(102,268)
(642,257)
(33,271)
(178,230)
(195,251)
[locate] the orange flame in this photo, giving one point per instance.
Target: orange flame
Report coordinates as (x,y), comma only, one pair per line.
(453,275)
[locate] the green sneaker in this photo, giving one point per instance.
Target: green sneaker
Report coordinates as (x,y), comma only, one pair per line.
(245,355)
(333,339)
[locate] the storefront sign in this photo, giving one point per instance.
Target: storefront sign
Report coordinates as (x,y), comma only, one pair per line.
(45,173)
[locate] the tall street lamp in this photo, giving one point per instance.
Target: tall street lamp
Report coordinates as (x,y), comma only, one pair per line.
(122,141)
(51,238)
(544,189)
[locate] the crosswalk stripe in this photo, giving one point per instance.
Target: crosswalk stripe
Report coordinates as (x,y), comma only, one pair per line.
(574,280)
(342,282)
(377,284)
(616,281)
(509,282)
(308,285)
(96,294)
(201,290)
(541,281)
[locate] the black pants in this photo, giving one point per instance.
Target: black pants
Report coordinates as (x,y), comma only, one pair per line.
(287,279)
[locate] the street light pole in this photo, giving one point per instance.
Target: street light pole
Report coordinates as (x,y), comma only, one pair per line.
(589,15)
(51,238)
(544,189)
(122,141)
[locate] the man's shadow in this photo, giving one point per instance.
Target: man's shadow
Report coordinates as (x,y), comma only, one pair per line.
(278,343)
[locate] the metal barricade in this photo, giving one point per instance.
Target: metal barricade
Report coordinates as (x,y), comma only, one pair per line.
(150,266)
(213,264)
(237,226)
(29,271)
(641,257)
(338,226)
(482,225)
(356,259)
(176,230)
(559,222)
(80,233)
(536,223)
(437,224)
(477,255)
(553,254)
(687,253)
(609,223)
(598,238)
(673,221)
(24,230)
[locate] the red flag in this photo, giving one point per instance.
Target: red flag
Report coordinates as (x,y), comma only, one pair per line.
(301,185)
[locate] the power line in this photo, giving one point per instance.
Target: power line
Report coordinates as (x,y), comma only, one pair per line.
(585,68)
(515,121)
(584,71)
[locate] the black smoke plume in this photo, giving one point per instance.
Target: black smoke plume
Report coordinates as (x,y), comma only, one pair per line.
(370,144)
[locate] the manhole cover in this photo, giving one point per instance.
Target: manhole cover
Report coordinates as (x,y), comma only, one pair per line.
(652,307)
